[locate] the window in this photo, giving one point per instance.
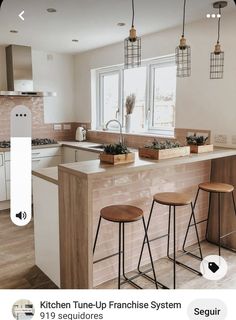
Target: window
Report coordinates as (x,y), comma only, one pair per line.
(154,85)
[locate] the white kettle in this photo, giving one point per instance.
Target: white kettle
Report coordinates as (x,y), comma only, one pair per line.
(80,134)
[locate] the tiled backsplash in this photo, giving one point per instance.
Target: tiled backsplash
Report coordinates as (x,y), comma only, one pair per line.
(39,128)
(135,140)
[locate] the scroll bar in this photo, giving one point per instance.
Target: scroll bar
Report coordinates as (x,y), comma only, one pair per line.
(21,198)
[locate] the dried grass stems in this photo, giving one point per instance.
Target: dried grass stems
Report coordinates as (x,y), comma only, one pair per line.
(130,103)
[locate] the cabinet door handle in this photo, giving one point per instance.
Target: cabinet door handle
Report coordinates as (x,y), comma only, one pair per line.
(36,160)
(35,153)
(76,156)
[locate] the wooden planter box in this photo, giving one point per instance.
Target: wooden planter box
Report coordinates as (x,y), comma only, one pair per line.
(117,159)
(165,153)
(201,149)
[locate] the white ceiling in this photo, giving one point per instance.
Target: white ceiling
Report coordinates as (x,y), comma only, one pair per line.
(93,22)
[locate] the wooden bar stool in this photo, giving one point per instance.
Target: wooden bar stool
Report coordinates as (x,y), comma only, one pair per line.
(218,188)
(171,199)
(123,214)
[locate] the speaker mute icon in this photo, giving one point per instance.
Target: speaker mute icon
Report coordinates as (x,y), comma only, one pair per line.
(21,215)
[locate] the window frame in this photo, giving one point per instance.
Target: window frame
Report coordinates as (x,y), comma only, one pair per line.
(161,62)
(151,66)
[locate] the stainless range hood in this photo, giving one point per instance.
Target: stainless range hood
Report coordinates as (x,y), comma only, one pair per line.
(20,73)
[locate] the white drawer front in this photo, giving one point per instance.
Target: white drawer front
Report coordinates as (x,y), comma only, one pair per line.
(40,153)
(46,162)
(46,152)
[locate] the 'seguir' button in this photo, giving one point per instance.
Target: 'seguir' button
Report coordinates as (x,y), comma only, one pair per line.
(210,309)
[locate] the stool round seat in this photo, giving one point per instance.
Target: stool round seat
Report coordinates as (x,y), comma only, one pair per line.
(121,213)
(216,187)
(173,198)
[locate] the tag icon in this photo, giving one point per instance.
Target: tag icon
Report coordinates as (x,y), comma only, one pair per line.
(213,267)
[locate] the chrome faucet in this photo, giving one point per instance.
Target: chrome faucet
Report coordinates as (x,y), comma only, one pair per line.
(121,139)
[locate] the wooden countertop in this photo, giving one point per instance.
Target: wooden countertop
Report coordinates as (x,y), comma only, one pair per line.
(49,174)
(94,167)
(84,145)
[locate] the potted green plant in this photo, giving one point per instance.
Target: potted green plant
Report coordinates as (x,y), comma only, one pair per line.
(116,153)
(158,150)
(198,143)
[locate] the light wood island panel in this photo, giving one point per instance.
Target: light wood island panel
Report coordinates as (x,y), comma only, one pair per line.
(84,188)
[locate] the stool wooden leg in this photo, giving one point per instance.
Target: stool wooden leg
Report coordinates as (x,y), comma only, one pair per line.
(219,225)
(144,239)
(96,237)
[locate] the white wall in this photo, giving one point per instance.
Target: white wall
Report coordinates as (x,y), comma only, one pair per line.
(56,75)
(201,102)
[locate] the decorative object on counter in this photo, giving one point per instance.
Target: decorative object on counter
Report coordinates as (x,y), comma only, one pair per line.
(183,53)
(117,153)
(129,104)
(217,57)
(163,150)
(132,47)
(80,134)
(198,144)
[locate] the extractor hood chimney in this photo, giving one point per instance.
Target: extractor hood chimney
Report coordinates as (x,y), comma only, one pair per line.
(20,73)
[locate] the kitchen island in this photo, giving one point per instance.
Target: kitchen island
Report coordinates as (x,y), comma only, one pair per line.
(84,188)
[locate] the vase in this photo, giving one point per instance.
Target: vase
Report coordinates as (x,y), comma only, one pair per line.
(128,123)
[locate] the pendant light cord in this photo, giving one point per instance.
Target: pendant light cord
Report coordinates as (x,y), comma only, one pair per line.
(184,15)
(219,24)
(133,14)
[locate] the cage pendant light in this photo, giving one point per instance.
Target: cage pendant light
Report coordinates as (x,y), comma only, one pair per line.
(132,47)
(217,57)
(183,53)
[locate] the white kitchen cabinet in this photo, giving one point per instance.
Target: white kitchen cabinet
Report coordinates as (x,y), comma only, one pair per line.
(46,228)
(69,155)
(84,155)
(3,195)
(77,155)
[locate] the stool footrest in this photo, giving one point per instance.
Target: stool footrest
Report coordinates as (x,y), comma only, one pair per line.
(156,238)
(144,274)
(107,257)
(140,273)
(186,267)
(192,255)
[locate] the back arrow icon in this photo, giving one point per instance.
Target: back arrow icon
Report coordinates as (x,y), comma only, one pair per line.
(21,15)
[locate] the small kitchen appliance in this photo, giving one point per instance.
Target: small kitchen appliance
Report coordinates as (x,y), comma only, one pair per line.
(80,134)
